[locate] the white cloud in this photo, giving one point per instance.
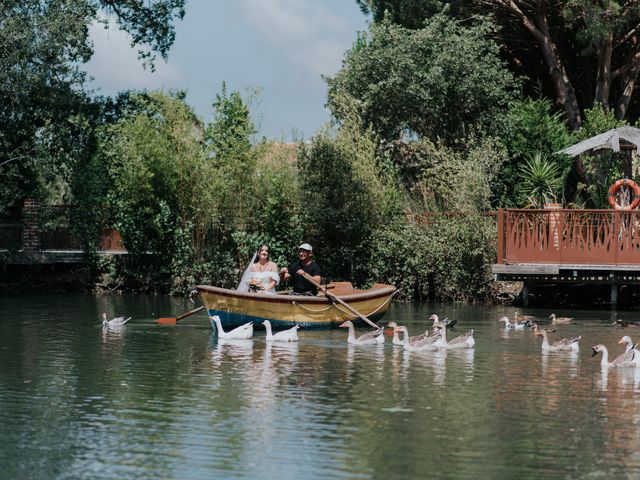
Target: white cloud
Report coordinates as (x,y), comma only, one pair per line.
(115,65)
(304,29)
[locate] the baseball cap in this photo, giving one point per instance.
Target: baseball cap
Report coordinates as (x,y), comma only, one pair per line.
(305,246)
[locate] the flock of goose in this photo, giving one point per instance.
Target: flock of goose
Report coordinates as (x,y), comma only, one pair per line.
(437,340)
(629,359)
(434,340)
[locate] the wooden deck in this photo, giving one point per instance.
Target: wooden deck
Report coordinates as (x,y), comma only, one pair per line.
(568,246)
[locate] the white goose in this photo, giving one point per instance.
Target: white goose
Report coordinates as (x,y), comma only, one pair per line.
(114,322)
(563,345)
(627,359)
(465,340)
(371,338)
(412,340)
(521,325)
(630,345)
(243,332)
(289,335)
(420,345)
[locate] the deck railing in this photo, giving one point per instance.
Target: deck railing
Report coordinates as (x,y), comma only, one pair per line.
(559,236)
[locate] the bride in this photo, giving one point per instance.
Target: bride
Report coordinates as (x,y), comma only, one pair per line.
(262,270)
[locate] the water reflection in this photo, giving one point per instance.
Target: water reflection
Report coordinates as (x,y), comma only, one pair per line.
(235,349)
(560,364)
(466,356)
(86,403)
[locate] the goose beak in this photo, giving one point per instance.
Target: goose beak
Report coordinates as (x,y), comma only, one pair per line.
(621,341)
(595,352)
(343,325)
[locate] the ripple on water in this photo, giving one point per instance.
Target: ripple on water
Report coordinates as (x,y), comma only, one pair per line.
(146,401)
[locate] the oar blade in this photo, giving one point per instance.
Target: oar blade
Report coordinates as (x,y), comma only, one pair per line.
(166,321)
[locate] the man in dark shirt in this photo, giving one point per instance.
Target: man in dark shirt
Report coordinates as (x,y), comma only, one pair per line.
(305,263)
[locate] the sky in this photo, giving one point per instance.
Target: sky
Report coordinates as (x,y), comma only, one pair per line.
(280,48)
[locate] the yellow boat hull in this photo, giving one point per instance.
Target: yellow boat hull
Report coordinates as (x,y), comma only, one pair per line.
(284,311)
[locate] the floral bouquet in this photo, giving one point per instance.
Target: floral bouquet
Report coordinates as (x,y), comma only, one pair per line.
(255,285)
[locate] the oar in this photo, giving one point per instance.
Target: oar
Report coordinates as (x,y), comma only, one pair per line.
(173,320)
(339,300)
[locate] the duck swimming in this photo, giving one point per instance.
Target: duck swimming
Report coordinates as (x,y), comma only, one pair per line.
(521,325)
(559,320)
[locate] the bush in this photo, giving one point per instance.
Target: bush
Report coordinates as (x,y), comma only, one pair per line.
(446,261)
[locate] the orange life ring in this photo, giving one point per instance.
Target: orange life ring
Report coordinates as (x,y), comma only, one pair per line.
(635,198)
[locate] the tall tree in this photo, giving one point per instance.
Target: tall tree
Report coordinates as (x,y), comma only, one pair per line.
(426,82)
(583,52)
(46,116)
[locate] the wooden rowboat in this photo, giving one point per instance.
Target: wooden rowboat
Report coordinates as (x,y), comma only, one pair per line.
(236,308)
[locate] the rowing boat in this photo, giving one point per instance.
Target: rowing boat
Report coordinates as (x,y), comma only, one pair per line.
(284,310)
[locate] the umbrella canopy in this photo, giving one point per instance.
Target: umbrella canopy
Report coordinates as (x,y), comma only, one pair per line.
(629,136)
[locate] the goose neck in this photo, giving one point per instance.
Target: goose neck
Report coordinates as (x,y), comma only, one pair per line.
(267,327)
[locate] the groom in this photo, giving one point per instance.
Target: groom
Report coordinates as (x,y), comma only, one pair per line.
(306,264)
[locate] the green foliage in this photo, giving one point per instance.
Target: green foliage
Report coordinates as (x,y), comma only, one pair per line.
(46,118)
(603,167)
(438,178)
(344,196)
(156,162)
(541,181)
(230,153)
(597,120)
(425,83)
(531,128)
(446,260)
(408,13)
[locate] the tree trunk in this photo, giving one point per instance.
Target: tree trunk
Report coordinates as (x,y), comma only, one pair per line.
(629,83)
(565,94)
(603,81)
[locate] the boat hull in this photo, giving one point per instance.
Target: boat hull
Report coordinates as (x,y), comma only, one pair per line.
(284,311)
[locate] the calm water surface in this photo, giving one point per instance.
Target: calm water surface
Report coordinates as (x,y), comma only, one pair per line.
(150,401)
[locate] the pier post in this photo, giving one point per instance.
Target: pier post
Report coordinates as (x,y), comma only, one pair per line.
(525,293)
(614,294)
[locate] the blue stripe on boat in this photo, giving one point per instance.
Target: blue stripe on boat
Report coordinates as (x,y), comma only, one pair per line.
(233,320)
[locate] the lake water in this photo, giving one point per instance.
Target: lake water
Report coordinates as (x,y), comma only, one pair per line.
(150,401)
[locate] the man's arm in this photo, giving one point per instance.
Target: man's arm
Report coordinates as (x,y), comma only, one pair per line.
(284,274)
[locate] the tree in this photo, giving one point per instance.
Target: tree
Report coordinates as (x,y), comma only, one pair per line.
(228,138)
(426,82)
(46,117)
(583,52)
(160,179)
(408,13)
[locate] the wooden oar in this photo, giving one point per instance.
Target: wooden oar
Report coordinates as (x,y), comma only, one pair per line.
(339,300)
(174,320)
